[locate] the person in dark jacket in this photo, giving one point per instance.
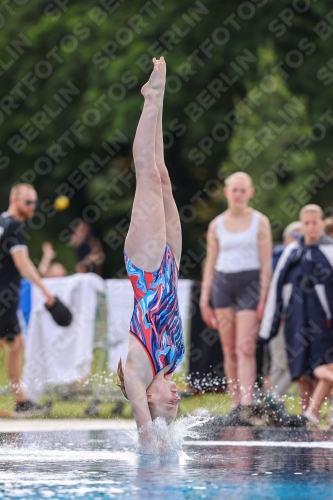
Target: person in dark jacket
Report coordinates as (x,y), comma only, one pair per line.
(279,374)
(301,296)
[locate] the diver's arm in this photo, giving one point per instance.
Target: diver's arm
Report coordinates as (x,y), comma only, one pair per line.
(136,392)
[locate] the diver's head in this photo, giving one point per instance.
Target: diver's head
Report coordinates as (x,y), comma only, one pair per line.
(163,399)
(162,395)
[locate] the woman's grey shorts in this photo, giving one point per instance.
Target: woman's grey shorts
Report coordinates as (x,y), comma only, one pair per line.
(238,290)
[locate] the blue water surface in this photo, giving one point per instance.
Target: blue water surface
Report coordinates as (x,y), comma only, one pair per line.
(231,463)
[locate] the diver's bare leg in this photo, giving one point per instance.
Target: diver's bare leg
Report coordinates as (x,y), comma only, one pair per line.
(146,238)
(172,220)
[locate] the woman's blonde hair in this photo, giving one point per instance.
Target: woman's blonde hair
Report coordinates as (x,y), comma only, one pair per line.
(120,382)
(311,208)
(238,175)
(328,228)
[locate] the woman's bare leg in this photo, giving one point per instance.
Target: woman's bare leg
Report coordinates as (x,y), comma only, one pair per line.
(226,327)
(146,238)
(324,372)
(172,221)
(246,340)
(322,391)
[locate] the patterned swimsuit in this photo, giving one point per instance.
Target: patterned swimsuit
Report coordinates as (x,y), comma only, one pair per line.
(156,321)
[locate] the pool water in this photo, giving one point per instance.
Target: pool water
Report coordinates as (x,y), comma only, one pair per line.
(230,463)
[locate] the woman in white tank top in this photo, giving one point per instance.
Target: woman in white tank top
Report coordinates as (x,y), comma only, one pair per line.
(235,284)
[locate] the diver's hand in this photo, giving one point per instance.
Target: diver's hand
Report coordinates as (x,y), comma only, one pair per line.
(147,440)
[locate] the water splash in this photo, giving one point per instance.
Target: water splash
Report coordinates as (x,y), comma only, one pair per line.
(166,441)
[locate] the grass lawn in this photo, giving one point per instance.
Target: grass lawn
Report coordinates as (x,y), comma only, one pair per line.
(216,404)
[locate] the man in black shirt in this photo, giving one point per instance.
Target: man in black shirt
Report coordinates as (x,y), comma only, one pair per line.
(14,263)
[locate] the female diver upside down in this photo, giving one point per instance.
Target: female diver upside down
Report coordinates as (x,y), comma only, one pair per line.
(152,255)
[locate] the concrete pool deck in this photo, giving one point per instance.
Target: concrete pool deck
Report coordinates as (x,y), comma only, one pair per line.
(74,424)
(84,424)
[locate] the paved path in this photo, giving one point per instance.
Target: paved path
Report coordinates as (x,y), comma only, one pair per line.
(26,425)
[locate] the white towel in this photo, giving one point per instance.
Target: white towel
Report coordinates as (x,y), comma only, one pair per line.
(54,354)
(120,302)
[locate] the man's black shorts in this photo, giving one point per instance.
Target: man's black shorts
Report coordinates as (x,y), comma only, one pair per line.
(9,325)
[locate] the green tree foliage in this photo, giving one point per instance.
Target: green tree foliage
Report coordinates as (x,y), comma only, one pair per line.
(70,102)
(264,144)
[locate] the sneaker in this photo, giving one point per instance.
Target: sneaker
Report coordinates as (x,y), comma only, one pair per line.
(274,404)
(312,420)
(246,416)
(295,421)
(28,409)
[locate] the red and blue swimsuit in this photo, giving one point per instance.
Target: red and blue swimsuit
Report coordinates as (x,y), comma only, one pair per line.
(156,321)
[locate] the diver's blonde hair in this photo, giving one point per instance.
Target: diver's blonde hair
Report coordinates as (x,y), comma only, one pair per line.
(120,382)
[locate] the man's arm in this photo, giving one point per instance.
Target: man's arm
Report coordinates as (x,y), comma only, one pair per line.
(28,270)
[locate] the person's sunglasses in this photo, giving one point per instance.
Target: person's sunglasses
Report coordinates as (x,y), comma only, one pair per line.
(31,202)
